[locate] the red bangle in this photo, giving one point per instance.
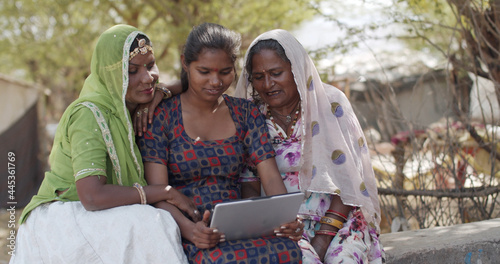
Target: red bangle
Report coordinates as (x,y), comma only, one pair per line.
(341,215)
(325,232)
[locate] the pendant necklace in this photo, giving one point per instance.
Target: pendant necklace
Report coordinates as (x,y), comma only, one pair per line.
(287,121)
(288,118)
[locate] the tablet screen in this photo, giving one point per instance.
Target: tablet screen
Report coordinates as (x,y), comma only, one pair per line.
(255,217)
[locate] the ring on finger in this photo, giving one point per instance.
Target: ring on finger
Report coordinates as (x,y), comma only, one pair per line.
(298,229)
(145,110)
(138,113)
(195,212)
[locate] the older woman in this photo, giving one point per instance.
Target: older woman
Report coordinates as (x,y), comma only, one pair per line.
(320,150)
(92,204)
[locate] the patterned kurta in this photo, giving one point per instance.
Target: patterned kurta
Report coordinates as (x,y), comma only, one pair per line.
(357,242)
(208,172)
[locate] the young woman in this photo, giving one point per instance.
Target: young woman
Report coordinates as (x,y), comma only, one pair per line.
(92,204)
(199,142)
(320,149)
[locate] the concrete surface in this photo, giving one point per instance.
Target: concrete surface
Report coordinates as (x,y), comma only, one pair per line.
(472,243)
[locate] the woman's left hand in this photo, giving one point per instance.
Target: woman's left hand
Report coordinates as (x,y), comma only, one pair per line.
(204,236)
(320,243)
(144,114)
(292,230)
(184,203)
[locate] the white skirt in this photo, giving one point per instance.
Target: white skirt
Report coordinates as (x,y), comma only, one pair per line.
(64,232)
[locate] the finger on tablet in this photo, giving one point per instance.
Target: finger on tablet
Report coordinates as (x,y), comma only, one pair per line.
(206,217)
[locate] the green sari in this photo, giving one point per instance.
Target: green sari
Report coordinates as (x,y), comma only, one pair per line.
(95,135)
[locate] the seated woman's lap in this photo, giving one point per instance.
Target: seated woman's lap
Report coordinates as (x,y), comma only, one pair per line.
(269,249)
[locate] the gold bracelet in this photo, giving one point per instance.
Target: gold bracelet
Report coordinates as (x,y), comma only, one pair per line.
(166,92)
(331,221)
(142,193)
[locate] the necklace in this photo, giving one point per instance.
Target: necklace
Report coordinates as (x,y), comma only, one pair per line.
(288,118)
(287,122)
(217,105)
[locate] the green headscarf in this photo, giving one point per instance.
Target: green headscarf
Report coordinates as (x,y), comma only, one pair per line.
(103,93)
(106,87)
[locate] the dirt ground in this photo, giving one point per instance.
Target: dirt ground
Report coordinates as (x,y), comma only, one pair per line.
(5,217)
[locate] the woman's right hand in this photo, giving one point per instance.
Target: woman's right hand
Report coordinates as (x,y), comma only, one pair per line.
(204,236)
(182,202)
(143,117)
(292,230)
(143,114)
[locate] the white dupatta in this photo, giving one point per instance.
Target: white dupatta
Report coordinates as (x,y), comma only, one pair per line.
(335,157)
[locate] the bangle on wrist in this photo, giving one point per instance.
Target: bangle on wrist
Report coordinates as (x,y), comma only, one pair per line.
(142,193)
(325,232)
(168,192)
(332,222)
(166,92)
(343,216)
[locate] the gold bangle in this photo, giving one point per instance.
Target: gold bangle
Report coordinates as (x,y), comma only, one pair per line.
(166,92)
(331,221)
(142,193)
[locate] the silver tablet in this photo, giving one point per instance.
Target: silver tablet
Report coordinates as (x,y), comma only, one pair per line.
(255,217)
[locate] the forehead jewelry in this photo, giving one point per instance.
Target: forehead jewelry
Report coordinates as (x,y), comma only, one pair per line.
(142,48)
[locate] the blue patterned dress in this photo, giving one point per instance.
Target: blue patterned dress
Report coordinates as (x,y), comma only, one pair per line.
(209,171)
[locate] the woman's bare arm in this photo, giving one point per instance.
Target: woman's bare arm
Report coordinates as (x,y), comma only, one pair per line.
(195,230)
(271,177)
(141,121)
(95,194)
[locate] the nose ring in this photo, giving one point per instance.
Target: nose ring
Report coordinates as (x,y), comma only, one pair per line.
(220,84)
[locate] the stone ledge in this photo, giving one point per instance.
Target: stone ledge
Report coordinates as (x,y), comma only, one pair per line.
(472,243)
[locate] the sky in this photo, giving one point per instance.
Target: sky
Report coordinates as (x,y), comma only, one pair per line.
(372,54)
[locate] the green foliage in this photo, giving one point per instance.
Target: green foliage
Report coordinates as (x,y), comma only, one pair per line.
(51,43)
(428,23)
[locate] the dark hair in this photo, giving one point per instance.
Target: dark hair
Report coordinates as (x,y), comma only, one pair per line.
(135,44)
(209,36)
(266,44)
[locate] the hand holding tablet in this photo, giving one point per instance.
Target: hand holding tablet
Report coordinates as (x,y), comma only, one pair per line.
(255,217)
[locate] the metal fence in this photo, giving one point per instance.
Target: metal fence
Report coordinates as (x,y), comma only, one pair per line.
(441,176)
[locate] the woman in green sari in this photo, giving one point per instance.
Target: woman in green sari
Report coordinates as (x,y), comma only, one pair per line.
(91,206)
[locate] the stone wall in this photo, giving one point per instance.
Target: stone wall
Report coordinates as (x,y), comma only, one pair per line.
(472,243)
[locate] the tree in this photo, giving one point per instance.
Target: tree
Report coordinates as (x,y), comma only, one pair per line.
(455,164)
(466,33)
(51,44)
(473,45)
(479,27)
